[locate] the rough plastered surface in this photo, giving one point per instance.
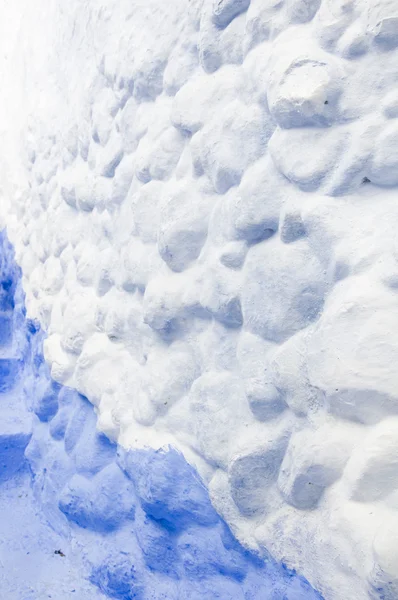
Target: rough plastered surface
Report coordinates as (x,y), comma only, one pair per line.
(202,197)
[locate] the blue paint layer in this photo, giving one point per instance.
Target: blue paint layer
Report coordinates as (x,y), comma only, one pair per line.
(82,518)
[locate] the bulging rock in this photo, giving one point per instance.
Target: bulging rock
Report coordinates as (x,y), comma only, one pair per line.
(254,471)
(304,92)
(277,307)
(99,504)
(15,434)
(226,10)
(213,396)
(256,208)
(220,297)
(314,460)
(372,471)
(352,347)
(183,227)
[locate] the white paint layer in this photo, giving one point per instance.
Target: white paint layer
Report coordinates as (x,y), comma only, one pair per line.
(202,196)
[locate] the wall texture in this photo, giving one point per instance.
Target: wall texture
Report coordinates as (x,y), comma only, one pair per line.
(202,198)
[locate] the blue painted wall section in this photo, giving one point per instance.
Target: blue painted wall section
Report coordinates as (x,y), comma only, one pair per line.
(82,518)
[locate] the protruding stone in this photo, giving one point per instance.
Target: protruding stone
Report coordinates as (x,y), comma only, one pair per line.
(292,228)
(233,254)
(15,434)
(314,460)
(226,10)
(352,348)
(183,227)
(254,355)
(220,297)
(253,471)
(255,211)
(276,307)
(212,398)
(304,93)
(372,471)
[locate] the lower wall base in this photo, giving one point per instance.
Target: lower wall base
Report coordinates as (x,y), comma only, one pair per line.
(81,516)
